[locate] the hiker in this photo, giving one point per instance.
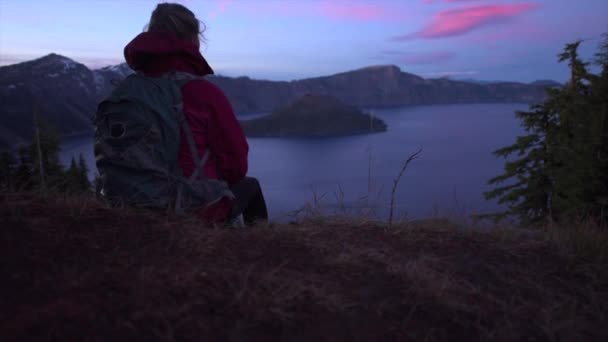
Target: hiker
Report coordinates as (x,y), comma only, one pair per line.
(170,46)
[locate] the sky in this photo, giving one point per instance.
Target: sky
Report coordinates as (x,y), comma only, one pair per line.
(293,39)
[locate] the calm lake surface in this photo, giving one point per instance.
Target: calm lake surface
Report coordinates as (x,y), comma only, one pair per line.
(355,174)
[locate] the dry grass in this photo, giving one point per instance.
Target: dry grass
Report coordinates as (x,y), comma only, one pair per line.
(588,240)
(78,270)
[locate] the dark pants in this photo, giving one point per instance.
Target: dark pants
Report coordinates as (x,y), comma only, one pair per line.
(249,201)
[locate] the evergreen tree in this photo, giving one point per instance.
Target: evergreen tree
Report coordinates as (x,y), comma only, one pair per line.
(7,161)
(601,57)
(23,174)
(83,174)
(561,165)
(529,193)
(76,177)
(572,141)
(599,89)
(49,147)
(72,178)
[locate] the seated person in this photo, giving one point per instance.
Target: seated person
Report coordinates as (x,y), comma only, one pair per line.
(171,43)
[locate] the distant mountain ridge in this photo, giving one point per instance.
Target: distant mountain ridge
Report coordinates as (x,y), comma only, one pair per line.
(65,93)
(375,86)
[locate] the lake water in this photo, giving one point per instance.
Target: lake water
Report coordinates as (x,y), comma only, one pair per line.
(355,174)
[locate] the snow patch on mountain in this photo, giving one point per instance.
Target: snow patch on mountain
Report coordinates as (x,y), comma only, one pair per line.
(83,86)
(122,70)
(98,80)
(67,63)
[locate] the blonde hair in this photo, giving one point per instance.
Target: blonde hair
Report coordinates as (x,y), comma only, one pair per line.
(177,19)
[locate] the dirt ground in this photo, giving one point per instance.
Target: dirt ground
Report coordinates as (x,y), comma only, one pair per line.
(75,270)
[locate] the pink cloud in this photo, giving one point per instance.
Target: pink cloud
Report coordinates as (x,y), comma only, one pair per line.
(221,7)
(456,22)
(533,31)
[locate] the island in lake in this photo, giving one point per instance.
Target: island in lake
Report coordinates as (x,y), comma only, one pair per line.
(314,116)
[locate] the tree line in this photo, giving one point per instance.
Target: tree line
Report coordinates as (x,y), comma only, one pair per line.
(36,166)
(558,171)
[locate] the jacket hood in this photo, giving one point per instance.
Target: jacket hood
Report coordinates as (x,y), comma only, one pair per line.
(160,52)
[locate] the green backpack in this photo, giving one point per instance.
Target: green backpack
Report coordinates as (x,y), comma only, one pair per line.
(137,139)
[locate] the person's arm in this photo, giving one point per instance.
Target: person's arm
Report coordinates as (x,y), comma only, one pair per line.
(226,138)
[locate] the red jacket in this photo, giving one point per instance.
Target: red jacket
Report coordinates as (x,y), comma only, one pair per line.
(206,108)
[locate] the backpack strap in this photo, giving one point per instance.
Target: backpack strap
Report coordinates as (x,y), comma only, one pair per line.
(182,78)
(199,163)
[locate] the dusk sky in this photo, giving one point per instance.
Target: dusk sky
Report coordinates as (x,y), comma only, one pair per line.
(284,40)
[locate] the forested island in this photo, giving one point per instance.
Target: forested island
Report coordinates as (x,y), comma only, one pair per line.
(314,116)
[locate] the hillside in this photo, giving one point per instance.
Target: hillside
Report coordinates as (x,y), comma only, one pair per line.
(66,93)
(73,269)
(376,86)
(63,92)
(314,116)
